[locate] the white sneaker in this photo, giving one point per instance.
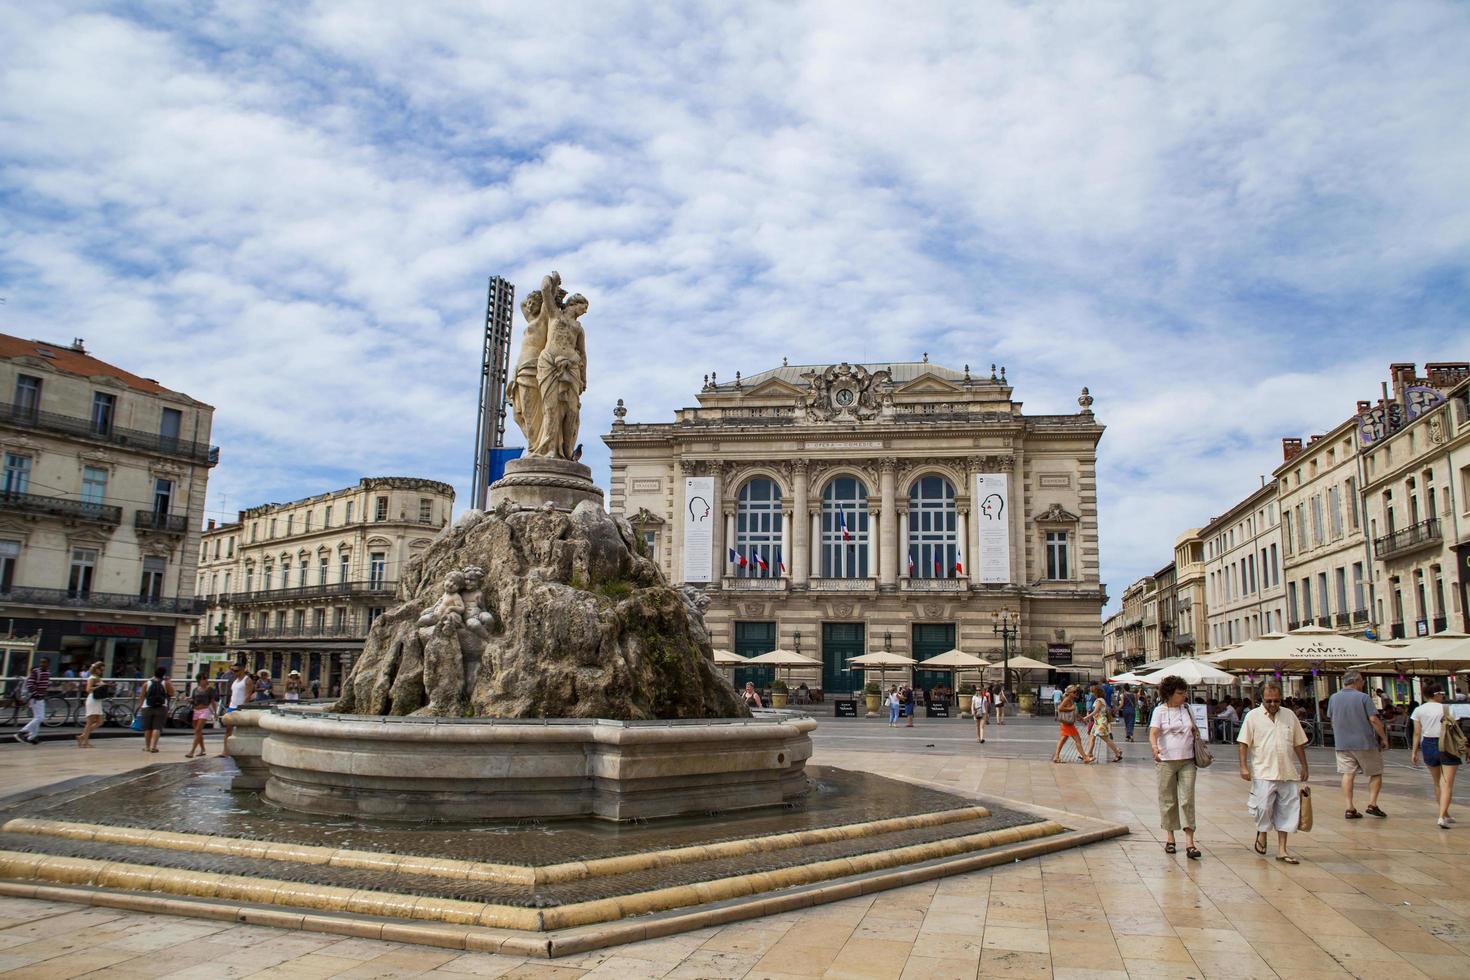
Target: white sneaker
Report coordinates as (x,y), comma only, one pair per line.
(1450,819)
(1444,823)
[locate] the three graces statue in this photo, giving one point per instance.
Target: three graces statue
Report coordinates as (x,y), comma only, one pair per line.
(551,372)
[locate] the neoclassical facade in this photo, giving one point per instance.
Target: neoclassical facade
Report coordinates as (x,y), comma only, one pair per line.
(846,509)
(1243,571)
(295,586)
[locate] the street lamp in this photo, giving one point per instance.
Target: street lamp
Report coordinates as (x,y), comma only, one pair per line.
(1006,625)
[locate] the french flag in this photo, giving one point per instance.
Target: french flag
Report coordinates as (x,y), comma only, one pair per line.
(959,563)
(760,562)
(938,568)
(911,564)
(842,525)
(736,558)
(779,563)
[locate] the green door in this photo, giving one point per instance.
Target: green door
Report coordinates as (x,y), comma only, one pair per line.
(752,640)
(840,643)
(930,640)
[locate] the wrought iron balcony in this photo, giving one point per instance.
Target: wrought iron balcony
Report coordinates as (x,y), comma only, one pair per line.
(843,585)
(70,510)
(24,596)
(206,644)
(934,584)
(147,520)
(1360,615)
(26,417)
(1184,641)
(371,588)
(737,583)
(353,630)
(1425,534)
(1340,619)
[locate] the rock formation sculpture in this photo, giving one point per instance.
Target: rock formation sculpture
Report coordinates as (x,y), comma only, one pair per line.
(539,613)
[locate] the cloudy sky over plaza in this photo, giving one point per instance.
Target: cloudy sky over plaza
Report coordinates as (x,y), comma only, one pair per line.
(1225,219)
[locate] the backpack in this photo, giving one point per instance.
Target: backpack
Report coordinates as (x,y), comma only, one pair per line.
(157,695)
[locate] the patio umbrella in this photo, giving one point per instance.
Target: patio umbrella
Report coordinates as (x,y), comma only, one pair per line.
(725,658)
(882,660)
(1191,673)
(1127,677)
(954,661)
(1439,653)
(783,658)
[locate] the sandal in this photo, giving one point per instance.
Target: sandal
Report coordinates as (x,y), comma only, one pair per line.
(1169,848)
(1287,859)
(1373,811)
(1353,815)
(1260,845)
(1193,853)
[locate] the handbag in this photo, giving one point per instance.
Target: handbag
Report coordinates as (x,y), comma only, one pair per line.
(1202,757)
(1452,739)
(1305,823)
(137,724)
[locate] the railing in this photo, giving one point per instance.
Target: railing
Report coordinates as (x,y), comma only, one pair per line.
(370,587)
(843,585)
(75,510)
(147,520)
(1341,619)
(1184,641)
(1292,624)
(1324,621)
(1412,538)
(102,600)
(306,631)
(736,583)
(935,584)
(1360,615)
(26,417)
(200,644)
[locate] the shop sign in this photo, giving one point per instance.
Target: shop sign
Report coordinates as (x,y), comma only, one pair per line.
(110,629)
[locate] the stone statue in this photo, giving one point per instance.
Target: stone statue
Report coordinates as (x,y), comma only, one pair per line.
(525,394)
(561,372)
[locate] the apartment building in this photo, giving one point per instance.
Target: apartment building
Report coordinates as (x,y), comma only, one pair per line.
(1243,570)
(1190,607)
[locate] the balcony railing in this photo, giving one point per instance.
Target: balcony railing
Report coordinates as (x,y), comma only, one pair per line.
(1324,621)
(102,600)
(147,520)
(843,585)
(737,584)
(307,631)
(1360,615)
(1422,535)
(203,644)
(71,510)
(1340,619)
(26,417)
(935,584)
(1184,641)
(372,587)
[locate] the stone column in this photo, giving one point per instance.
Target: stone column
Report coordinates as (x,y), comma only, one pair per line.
(785,545)
(816,522)
(874,532)
(903,542)
(962,535)
(888,543)
(718,540)
(801,562)
(676,569)
(725,561)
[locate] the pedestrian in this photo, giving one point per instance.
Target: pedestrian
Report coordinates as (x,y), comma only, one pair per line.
(1359,738)
(1430,722)
(1130,712)
(752,697)
(33,693)
(1171,735)
(1102,728)
(1000,704)
(894,704)
(907,694)
(153,706)
(1067,722)
(1269,737)
(295,686)
(97,691)
(316,687)
(980,710)
(201,701)
(263,690)
(242,689)
(1056,700)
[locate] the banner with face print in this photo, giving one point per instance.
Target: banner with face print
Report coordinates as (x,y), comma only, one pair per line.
(699,523)
(993,523)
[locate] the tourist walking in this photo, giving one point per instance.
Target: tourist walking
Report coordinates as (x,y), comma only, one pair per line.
(33,692)
(153,706)
(201,701)
(1359,738)
(1171,735)
(1067,722)
(907,694)
(97,692)
(1000,704)
(980,710)
(1130,713)
(1102,728)
(1269,739)
(894,704)
(295,686)
(1432,721)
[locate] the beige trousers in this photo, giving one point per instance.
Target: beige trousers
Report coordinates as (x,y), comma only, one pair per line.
(1176,793)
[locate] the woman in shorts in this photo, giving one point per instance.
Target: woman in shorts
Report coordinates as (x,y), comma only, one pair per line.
(201,701)
(92,710)
(1429,720)
(1067,720)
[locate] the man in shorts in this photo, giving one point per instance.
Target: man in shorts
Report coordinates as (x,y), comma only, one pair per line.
(1360,739)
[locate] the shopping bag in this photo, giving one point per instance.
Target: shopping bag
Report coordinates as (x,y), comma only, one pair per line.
(1306,818)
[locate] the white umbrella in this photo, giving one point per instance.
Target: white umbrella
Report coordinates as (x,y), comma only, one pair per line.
(954,661)
(882,660)
(1191,673)
(725,658)
(1127,677)
(783,658)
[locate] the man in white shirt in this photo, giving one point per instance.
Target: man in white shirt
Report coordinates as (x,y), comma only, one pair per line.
(1269,738)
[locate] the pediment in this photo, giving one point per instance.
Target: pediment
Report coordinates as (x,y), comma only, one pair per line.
(773,387)
(1056,514)
(927,383)
(646,518)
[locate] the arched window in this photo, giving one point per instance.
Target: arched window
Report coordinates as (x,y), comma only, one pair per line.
(845,529)
(758,528)
(933,542)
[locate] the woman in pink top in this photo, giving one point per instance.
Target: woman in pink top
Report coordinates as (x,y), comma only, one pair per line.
(1171,733)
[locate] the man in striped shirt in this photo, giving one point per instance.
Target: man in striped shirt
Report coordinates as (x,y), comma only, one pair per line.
(37,686)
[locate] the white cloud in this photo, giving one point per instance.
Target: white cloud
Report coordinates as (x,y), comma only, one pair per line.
(1225,222)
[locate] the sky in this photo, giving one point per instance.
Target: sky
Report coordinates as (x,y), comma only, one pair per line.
(1225,219)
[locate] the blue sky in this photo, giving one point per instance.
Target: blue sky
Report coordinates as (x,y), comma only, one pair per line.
(1224,219)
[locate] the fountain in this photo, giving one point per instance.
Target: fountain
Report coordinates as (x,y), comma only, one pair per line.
(534,754)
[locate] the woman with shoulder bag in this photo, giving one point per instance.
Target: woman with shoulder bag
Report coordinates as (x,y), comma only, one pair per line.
(1172,735)
(1437,736)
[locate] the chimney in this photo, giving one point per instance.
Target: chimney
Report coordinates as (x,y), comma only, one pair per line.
(1364,407)
(1446,374)
(210,525)
(1290,449)
(1313,441)
(78,345)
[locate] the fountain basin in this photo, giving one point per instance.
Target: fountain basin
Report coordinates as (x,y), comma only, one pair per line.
(390,768)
